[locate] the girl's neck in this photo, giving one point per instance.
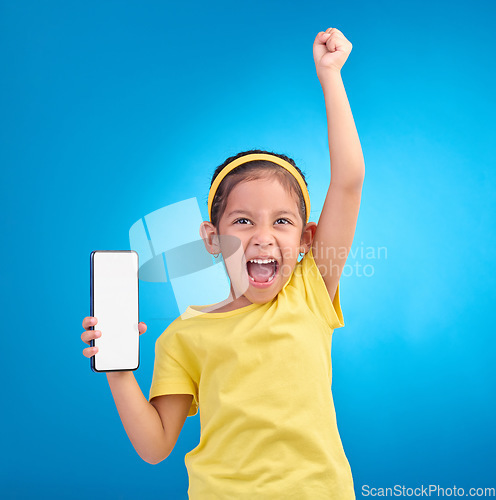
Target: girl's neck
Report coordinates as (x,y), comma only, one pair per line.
(229,304)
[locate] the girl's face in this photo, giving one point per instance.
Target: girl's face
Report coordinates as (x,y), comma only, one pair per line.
(262,217)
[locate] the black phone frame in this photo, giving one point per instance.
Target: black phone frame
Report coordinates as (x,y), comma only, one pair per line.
(92,341)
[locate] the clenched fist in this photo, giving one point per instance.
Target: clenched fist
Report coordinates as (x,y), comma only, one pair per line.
(330,51)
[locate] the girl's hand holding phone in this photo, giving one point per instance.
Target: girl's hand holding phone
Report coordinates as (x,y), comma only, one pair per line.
(88,335)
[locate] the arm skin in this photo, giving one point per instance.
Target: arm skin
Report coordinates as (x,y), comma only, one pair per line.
(152,427)
(336,227)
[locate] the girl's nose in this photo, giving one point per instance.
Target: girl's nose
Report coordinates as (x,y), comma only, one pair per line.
(263,236)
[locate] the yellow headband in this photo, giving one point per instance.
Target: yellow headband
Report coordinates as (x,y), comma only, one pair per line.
(253,157)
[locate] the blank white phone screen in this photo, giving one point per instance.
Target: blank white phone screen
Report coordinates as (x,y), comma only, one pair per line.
(115,305)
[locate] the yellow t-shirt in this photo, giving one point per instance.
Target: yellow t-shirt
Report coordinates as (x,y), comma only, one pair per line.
(261,376)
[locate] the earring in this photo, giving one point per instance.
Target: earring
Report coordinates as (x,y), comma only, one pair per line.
(215,255)
(302,253)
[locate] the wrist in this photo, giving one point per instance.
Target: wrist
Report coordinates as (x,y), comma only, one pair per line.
(120,375)
(328,73)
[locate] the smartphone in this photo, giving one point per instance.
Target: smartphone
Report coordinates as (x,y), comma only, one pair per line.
(114,301)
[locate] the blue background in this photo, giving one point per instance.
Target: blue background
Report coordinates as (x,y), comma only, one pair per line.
(111,110)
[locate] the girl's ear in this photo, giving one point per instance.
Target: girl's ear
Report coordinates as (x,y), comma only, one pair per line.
(209,237)
(307,236)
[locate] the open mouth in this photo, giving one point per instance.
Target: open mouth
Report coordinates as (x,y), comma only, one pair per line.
(262,270)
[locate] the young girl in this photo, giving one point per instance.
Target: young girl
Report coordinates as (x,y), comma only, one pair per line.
(258,364)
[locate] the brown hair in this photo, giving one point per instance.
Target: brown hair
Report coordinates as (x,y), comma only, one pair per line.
(255,170)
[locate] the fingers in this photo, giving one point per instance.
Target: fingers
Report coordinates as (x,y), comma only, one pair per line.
(334,39)
(90,351)
(331,43)
(89,321)
(334,32)
(323,37)
(328,31)
(88,335)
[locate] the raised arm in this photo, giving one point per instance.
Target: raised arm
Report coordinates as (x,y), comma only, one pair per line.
(336,227)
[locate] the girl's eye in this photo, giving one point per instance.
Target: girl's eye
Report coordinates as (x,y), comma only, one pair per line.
(284,221)
(243,220)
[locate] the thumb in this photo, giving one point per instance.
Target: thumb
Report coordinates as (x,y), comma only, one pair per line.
(319,45)
(142,327)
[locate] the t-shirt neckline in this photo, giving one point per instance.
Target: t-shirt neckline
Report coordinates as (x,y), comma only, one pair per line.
(198,311)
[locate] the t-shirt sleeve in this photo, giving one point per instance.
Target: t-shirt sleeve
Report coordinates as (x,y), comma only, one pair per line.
(316,295)
(171,372)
